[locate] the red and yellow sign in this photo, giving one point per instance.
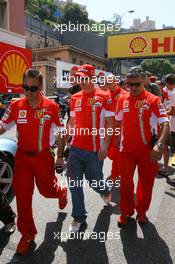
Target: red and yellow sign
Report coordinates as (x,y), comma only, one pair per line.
(13,63)
(159,43)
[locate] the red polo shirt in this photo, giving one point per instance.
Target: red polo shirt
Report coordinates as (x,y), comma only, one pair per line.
(138,116)
(35,127)
(89,111)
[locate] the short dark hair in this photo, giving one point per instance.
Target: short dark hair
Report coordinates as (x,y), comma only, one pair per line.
(170,78)
(35,74)
(136,72)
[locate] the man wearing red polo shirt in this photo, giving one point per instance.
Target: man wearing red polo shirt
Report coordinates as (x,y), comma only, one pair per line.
(91,108)
(136,114)
(36,118)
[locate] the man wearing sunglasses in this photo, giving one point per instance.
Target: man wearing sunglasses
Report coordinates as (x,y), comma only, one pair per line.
(36,119)
(136,114)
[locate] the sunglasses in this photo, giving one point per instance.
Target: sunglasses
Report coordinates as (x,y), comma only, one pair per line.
(30,88)
(136,84)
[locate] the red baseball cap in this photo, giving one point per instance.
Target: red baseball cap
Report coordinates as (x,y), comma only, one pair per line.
(101,74)
(74,68)
(86,70)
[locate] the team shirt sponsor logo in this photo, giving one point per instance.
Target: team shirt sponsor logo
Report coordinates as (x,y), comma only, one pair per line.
(22,114)
(146,106)
(78,102)
(78,109)
(125,104)
(125,110)
(91,101)
(162,110)
(109,101)
(139,103)
(98,104)
(47,117)
(39,114)
(21,121)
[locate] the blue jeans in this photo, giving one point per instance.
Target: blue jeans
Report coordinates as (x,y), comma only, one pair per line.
(84,162)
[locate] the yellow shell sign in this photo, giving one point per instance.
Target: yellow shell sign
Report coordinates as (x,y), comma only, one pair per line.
(159,43)
(138,45)
(14,61)
(13,67)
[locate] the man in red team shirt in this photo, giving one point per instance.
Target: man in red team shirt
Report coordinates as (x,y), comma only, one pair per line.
(36,118)
(91,108)
(135,115)
(115,92)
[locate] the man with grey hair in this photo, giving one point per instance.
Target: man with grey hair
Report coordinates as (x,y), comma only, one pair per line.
(135,114)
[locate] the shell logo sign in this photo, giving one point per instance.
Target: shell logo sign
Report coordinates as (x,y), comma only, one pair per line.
(138,44)
(14,61)
(158,43)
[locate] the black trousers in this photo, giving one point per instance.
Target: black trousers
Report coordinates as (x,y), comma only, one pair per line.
(6,214)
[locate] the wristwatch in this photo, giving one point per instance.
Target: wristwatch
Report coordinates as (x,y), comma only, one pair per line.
(160,145)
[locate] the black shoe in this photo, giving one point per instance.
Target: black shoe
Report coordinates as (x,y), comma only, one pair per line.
(163,173)
(171,182)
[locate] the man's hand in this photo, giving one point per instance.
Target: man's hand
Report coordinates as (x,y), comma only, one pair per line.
(156,154)
(103,152)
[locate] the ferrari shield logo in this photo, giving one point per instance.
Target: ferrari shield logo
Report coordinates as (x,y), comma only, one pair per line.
(91,101)
(38,114)
(139,103)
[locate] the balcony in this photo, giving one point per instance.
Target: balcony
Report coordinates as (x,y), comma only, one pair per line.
(12,38)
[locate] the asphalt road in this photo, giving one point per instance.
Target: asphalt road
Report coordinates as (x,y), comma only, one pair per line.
(104,242)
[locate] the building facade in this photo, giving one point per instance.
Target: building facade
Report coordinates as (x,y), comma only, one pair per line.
(12,23)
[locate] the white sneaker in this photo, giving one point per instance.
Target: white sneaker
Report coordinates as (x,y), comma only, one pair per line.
(107,198)
(74,227)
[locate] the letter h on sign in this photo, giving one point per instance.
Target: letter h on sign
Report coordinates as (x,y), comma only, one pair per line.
(166,44)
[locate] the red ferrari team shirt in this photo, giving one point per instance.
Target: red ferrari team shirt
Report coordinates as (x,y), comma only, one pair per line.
(35,127)
(90,111)
(138,116)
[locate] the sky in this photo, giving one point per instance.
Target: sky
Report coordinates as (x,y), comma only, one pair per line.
(163,12)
